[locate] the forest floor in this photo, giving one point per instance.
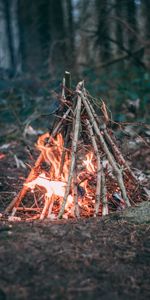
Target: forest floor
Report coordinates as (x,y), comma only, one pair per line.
(96,258)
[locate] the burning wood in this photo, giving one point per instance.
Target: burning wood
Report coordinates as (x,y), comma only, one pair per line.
(76,181)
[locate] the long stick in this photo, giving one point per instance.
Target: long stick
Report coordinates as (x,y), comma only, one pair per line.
(50,206)
(73,155)
(104,195)
(33,173)
(66,141)
(99,167)
(56,129)
(118,155)
(107,152)
(67,85)
(75,196)
(45,208)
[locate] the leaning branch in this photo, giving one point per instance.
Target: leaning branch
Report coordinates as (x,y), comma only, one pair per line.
(99,167)
(104,195)
(73,155)
(110,157)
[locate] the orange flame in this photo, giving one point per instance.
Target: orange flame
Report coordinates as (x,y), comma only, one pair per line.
(56,188)
(88,162)
(52,155)
(55,181)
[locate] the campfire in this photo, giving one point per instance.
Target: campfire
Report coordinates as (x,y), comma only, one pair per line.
(80,171)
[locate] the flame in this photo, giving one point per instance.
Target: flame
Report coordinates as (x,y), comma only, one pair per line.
(51,187)
(55,179)
(56,188)
(88,162)
(53,154)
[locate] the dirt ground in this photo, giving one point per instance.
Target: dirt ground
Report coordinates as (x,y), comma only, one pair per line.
(96,258)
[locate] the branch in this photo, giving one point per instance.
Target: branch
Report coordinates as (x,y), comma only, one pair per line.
(99,167)
(104,195)
(110,157)
(129,53)
(73,155)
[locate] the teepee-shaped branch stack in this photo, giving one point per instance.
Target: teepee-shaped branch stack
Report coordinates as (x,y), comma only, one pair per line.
(80,170)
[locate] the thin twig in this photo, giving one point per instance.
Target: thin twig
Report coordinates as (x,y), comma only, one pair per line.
(118,155)
(45,208)
(75,196)
(73,154)
(28,209)
(111,159)
(51,206)
(33,173)
(99,167)
(104,195)
(56,129)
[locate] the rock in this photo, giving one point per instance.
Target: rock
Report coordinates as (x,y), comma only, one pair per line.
(139,214)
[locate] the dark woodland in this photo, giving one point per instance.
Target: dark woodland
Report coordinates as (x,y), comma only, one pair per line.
(106,44)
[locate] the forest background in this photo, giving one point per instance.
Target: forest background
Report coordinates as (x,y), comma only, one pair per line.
(106,43)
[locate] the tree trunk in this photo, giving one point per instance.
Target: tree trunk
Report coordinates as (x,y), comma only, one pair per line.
(146,6)
(102,29)
(131,16)
(57,53)
(7,14)
(70,32)
(29,35)
(119,26)
(44,27)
